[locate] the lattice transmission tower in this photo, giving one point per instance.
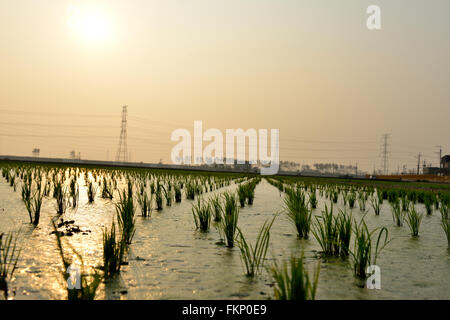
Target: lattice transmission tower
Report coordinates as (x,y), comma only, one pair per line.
(122,152)
(385,153)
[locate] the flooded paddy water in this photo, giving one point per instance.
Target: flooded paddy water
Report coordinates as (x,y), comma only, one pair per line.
(169,259)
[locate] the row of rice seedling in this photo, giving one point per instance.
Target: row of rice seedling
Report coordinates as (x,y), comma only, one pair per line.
(292,280)
(298,211)
(253,257)
(246,191)
(333,233)
(9,256)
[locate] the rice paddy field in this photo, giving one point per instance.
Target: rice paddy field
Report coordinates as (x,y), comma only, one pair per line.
(154,234)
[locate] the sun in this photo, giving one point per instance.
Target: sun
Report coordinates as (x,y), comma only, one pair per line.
(90,24)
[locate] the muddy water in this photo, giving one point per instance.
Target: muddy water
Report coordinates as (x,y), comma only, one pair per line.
(169,259)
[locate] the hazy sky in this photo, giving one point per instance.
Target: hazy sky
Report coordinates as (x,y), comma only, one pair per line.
(310,68)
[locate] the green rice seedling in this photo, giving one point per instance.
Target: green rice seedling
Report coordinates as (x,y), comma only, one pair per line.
(393,196)
(253,257)
(334,196)
(168,195)
(241,194)
(376,204)
(362,199)
(362,254)
(9,256)
(91,191)
(292,280)
(61,195)
(145,203)
(26,190)
(113,251)
(412,196)
(413,219)
(313,199)
(125,216)
(298,212)
(107,189)
(190,190)
(201,212)
(33,206)
(428,201)
(159,199)
(326,233)
(405,203)
(344,226)
(250,193)
(216,205)
(445,223)
(12,182)
(177,190)
(74,192)
(351,198)
(230,216)
(445,210)
(398,215)
(87,290)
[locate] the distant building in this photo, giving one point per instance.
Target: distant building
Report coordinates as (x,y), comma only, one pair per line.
(445,164)
(431,170)
(36,152)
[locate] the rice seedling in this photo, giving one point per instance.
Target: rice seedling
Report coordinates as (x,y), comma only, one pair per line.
(298,212)
(250,193)
(362,254)
(61,195)
(190,190)
(445,223)
(413,219)
(313,199)
(292,280)
(326,233)
(241,194)
(230,216)
(345,223)
(74,192)
(445,210)
(376,204)
(91,191)
(177,190)
(33,206)
(159,199)
(9,256)
(405,203)
(113,251)
(351,198)
(428,201)
(145,203)
(125,216)
(333,233)
(201,212)
(216,206)
(107,191)
(253,257)
(335,196)
(362,199)
(398,215)
(168,195)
